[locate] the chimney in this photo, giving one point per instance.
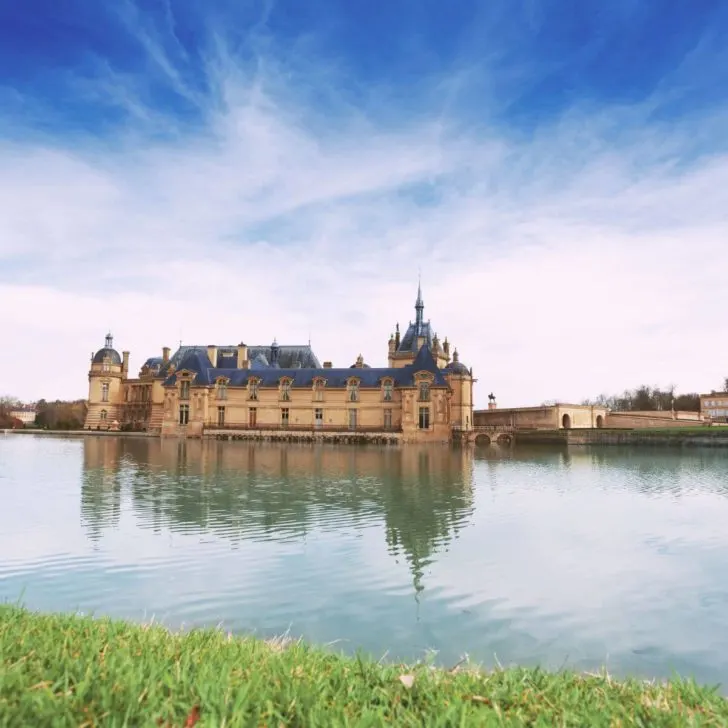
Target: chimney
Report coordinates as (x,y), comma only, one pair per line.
(212,354)
(125,362)
(165,354)
(243,362)
(327,365)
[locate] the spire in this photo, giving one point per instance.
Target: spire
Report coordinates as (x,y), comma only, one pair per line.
(419,306)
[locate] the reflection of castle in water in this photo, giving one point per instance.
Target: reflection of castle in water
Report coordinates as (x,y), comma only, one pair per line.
(422,495)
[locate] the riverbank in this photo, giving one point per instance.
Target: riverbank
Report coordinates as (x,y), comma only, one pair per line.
(662,437)
(70,670)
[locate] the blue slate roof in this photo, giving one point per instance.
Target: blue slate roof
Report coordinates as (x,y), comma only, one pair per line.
(409,340)
(113,355)
(196,360)
(288,357)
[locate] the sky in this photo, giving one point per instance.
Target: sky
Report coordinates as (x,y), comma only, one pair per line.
(556,172)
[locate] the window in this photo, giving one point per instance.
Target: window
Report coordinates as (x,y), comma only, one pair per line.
(252,417)
(220,416)
(105,392)
(387,419)
(184,390)
(424,392)
(318,417)
(285,417)
(106,366)
(388,388)
(424,418)
(318,390)
(353,391)
(286,390)
(103,415)
(253,389)
(184,414)
(352,419)
(222,390)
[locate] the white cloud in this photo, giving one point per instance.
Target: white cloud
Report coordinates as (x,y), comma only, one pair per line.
(585,259)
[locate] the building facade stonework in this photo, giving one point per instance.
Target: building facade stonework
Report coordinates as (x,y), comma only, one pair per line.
(424,394)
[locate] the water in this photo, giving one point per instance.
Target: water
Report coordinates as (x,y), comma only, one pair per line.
(579,558)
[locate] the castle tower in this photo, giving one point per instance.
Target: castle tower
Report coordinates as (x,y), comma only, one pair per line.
(105,390)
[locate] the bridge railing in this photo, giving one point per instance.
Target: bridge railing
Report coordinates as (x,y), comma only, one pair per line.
(301,428)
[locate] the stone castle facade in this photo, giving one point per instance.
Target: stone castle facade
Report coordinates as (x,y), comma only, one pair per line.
(423,394)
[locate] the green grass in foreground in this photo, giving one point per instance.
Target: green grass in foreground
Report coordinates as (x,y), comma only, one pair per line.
(69,671)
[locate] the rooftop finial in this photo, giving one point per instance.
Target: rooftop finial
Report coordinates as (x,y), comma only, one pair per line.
(109,341)
(419,305)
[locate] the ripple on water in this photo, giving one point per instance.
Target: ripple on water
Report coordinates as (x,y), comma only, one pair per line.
(539,557)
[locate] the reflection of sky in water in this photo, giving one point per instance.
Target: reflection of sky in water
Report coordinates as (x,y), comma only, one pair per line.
(577,558)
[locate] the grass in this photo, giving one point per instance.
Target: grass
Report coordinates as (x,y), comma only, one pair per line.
(65,670)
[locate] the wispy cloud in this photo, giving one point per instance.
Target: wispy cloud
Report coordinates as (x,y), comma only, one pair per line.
(251,189)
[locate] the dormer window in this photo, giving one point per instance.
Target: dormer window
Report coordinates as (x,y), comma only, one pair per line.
(106,366)
(424,391)
(222,389)
(353,389)
(253,389)
(387,390)
(184,389)
(318,390)
(286,390)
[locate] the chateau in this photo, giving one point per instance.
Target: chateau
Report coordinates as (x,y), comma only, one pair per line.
(423,394)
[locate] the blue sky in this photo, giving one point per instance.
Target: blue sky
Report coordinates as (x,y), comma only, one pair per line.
(229,171)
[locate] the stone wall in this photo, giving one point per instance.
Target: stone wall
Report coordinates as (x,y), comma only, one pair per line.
(637,420)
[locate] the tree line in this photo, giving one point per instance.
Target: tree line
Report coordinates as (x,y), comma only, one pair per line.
(651,398)
(57,415)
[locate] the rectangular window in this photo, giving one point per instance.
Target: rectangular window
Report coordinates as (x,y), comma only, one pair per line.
(352,419)
(318,391)
(254,390)
(105,392)
(353,393)
(318,417)
(220,416)
(252,417)
(284,417)
(424,421)
(222,391)
(388,391)
(184,390)
(184,414)
(286,391)
(387,419)
(424,392)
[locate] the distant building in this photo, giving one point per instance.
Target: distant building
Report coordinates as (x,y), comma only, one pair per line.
(582,416)
(423,395)
(714,406)
(26,413)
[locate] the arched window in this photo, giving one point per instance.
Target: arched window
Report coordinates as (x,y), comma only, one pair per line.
(387,390)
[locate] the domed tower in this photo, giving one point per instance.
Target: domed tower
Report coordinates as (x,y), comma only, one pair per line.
(105,391)
(461,381)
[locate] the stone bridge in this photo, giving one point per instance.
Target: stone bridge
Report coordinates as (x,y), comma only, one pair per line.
(484,435)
